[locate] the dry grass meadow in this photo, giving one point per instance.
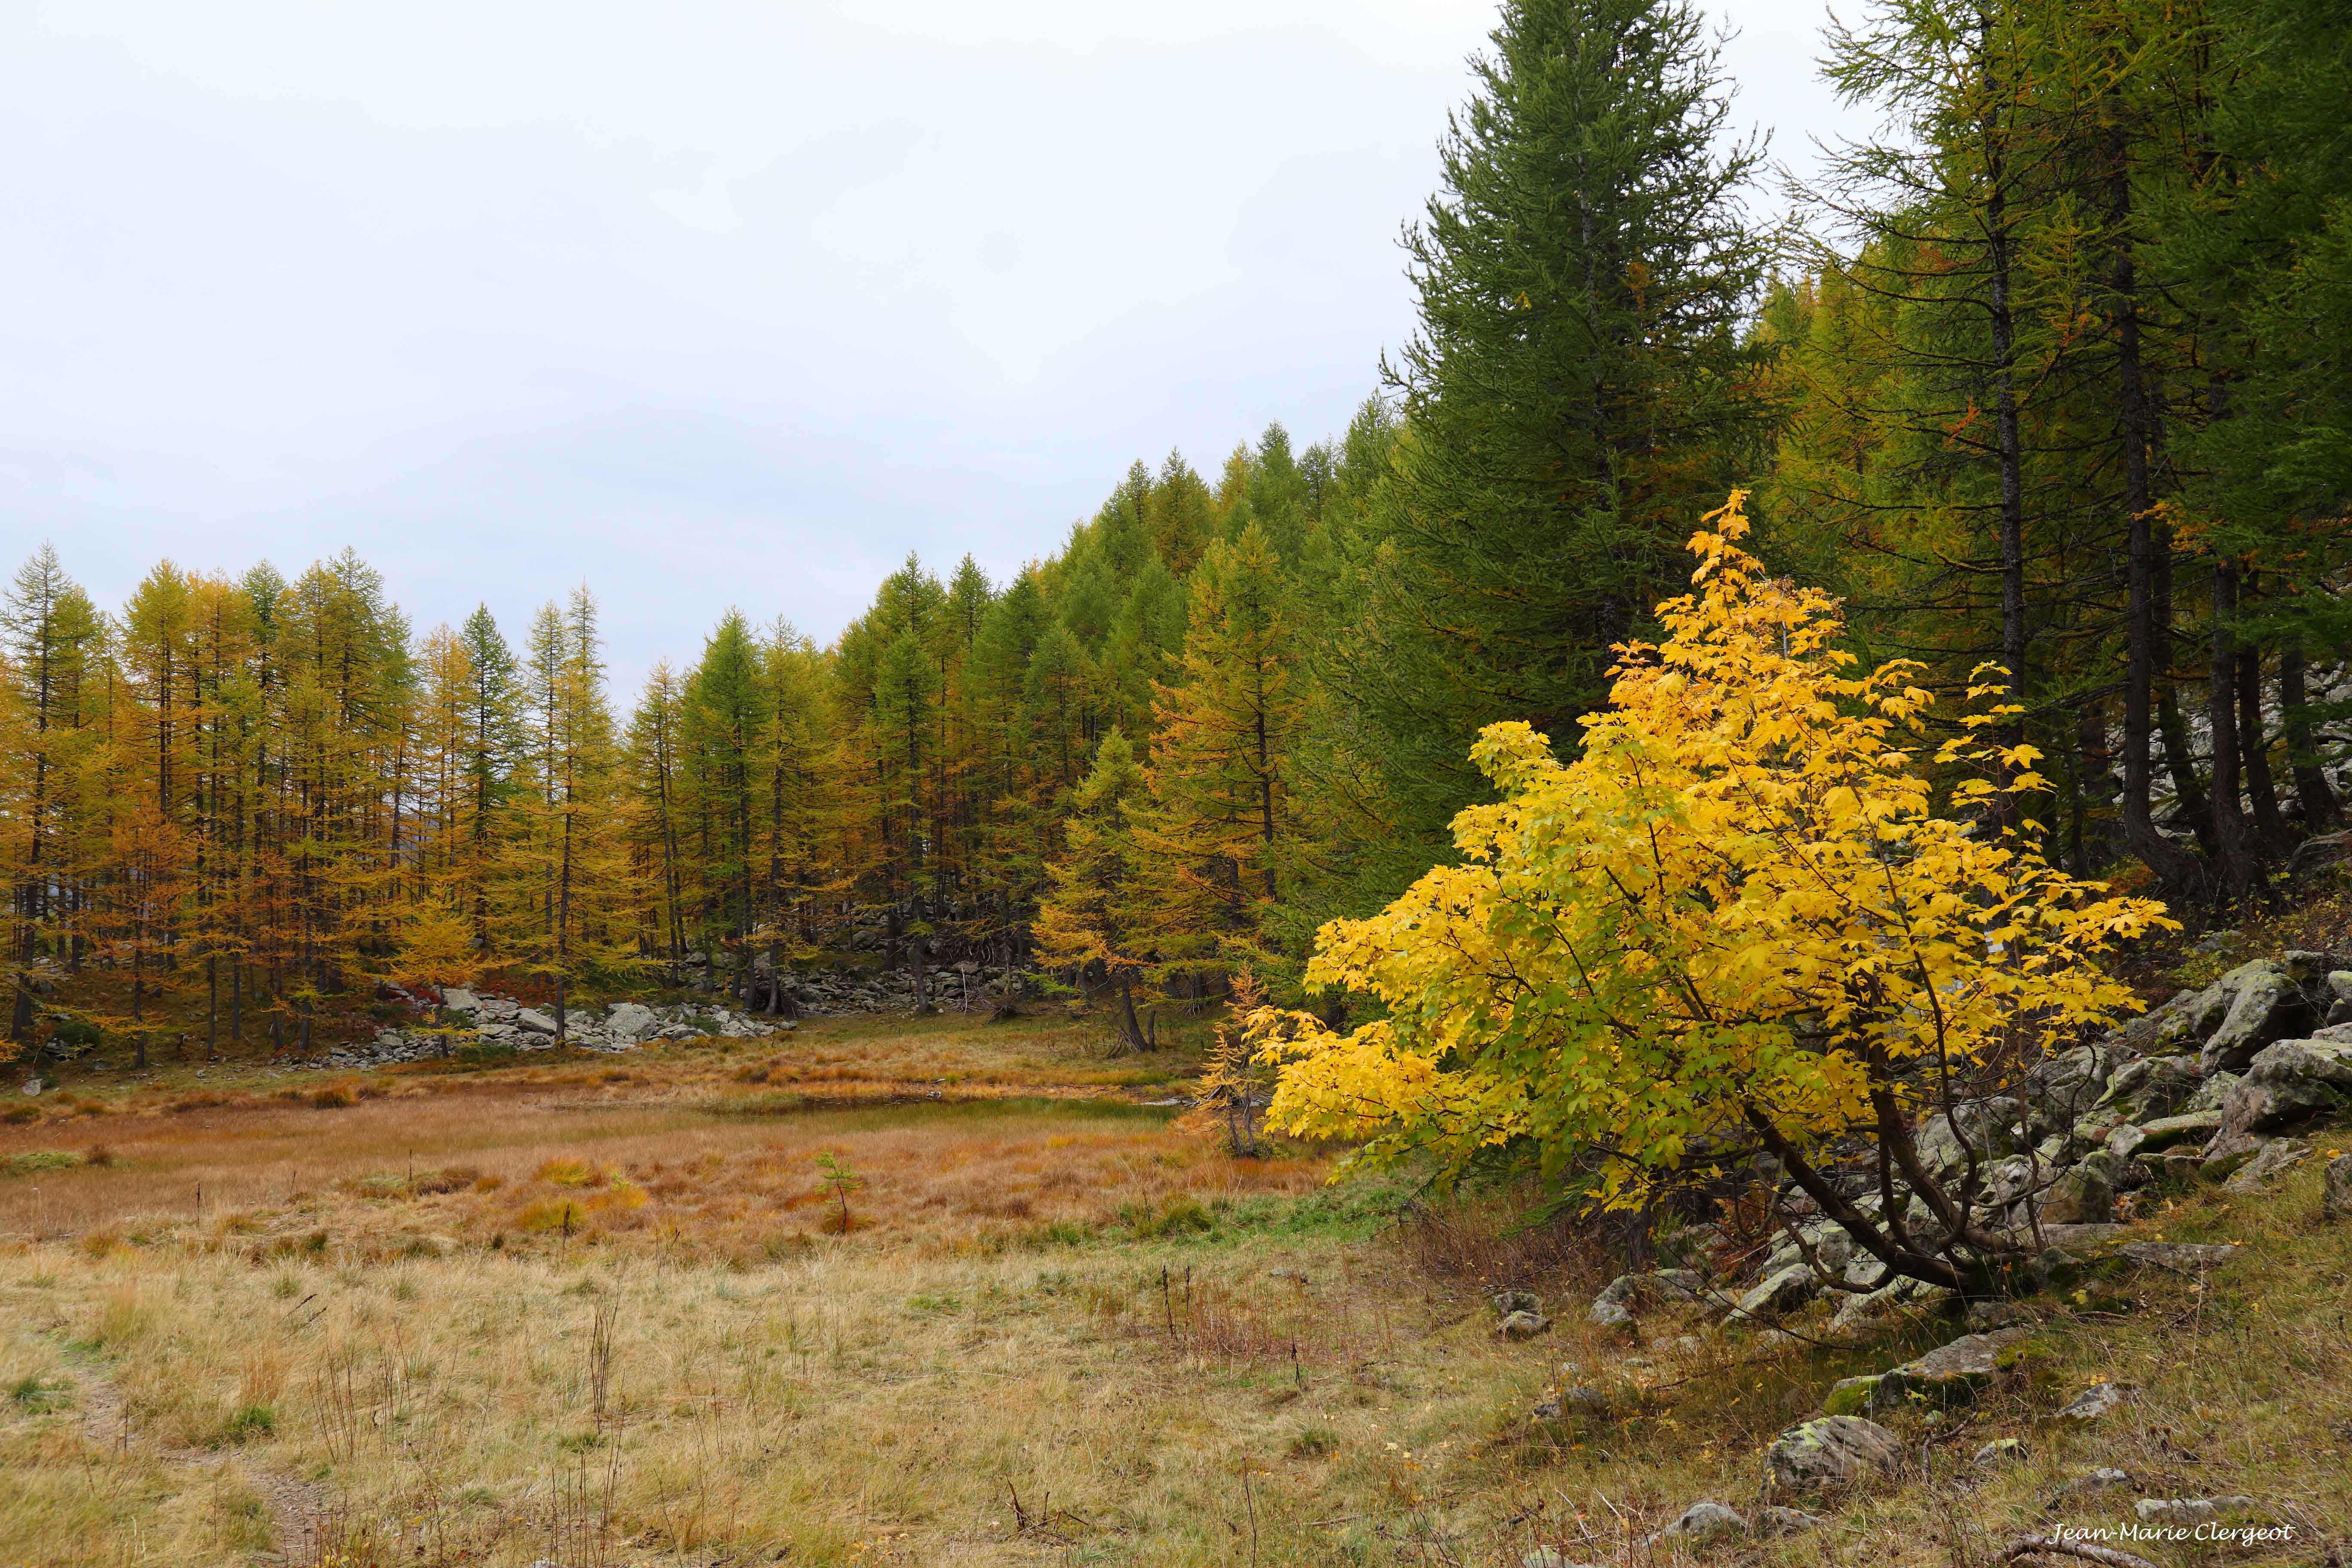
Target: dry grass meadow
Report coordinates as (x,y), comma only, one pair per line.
(604,1311)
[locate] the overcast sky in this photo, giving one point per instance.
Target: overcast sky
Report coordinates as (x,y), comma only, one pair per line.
(700,302)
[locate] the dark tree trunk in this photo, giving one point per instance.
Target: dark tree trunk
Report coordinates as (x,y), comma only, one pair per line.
(2254,757)
(2232,857)
(2320,810)
(2179,755)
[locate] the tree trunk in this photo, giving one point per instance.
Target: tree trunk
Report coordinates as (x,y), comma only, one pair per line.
(916,954)
(2232,859)
(2143,637)
(2009,441)
(2254,757)
(2320,810)
(2179,754)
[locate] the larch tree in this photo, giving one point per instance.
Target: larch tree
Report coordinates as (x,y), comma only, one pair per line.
(1097,919)
(1220,811)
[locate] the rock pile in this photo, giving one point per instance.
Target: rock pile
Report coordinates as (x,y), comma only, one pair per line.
(479,1019)
(2212,1085)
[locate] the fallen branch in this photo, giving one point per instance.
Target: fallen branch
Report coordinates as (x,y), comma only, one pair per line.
(2039,1545)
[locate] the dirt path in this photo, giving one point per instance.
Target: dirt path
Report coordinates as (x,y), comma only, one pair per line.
(296,1506)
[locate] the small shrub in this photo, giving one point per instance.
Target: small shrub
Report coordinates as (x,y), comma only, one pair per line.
(484,1054)
(335,1096)
(97,1154)
(17,1115)
(250,1421)
(33,1396)
(563,1170)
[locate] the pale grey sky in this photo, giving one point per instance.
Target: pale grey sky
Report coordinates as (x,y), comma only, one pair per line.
(702,303)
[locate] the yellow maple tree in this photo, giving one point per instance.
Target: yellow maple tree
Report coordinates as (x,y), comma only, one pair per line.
(1736,921)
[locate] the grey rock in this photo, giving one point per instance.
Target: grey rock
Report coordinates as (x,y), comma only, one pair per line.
(1991,1127)
(2105,1479)
(2190,1127)
(2181,1256)
(537,1022)
(2151,1088)
(1548,1557)
(1614,1307)
(1509,1301)
(2080,1196)
(632,1022)
(1703,1521)
(1775,1520)
(1523,1326)
(458,999)
(2001,1451)
(2214,1093)
(2187,1019)
(2120,1172)
(2336,1195)
(1951,1374)
(2289,1081)
(1829,1450)
(1985,1315)
(2063,1087)
(2215,942)
(2265,1004)
(2097,1402)
(2275,1156)
(1776,1295)
(2190,1511)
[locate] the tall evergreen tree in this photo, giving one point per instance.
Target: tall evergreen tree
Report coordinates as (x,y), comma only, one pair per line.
(1578,389)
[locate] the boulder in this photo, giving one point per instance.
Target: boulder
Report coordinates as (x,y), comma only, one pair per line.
(2081,1195)
(2181,1256)
(2118,1171)
(1614,1307)
(2339,996)
(2152,1087)
(2289,1081)
(458,999)
(1509,1301)
(2265,1004)
(1992,1127)
(1778,1294)
(1829,1451)
(2186,1019)
(2336,1196)
(1703,1521)
(1774,1520)
(2274,1156)
(2097,1402)
(2061,1088)
(1523,1326)
(2189,1127)
(2191,1510)
(632,1022)
(537,1022)
(1850,1395)
(2105,1479)
(2001,1451)
(1951,1374)
(2214,1093)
